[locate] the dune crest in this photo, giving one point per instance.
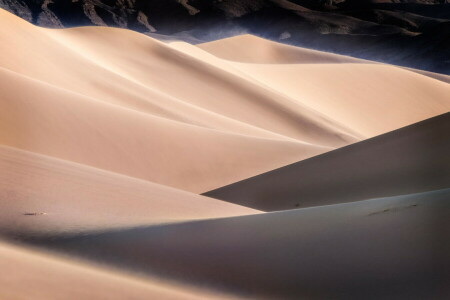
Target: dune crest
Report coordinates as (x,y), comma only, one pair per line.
(43,195)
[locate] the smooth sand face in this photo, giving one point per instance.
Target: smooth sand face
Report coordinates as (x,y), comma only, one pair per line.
(388,98)
(103,130)
(409,160)
(251,49)
(86,96)
(44,195)
(369,98)
(37,275)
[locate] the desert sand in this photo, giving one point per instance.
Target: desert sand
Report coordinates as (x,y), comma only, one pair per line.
(409,160)
(43,195)
(389,248)
(369,98)
(108,137)
(31,274)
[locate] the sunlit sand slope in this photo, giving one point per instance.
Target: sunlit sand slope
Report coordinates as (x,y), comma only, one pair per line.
(43,195)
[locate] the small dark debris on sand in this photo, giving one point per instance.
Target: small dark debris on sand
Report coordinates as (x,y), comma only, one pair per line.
(395,209)
(34,214)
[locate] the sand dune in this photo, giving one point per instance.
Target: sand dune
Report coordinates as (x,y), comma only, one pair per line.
(388,98)
(354,93)
(409,160)
(44,195)
(390,248)
(44,119)
(107,134)
(152,77)
(84,88)
(242,49)
(33,275)
(83,95)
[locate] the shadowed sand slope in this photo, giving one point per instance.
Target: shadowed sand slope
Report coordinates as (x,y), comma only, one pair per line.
(43,195)
(412,159)
(389,248)
(33,275)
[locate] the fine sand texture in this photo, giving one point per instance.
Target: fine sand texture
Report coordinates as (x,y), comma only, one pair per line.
(147,110)
(369,98)
(409,160)
(31,274)
(44,195)
(389,248)
(180,116)
(110,141)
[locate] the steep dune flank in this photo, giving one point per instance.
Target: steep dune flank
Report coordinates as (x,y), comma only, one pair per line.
(409,160)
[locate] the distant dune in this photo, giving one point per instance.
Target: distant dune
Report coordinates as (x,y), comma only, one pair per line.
(411,33)
(242,49)
(108,137)
(409,160)
(127,97)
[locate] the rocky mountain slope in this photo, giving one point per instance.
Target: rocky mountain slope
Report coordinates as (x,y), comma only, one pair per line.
(409,33)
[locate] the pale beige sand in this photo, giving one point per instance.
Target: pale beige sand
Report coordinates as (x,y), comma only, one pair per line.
(388,98)
(97,123)
(409,160)
(154,78)
(147,110)
(369,98)
(390,248)
(44,195)
(44,119)
(251,49)
(177,115)
(36,275)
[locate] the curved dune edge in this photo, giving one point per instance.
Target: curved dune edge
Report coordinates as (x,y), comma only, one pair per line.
(42,195)
(241,49)
(38,275)
(106,135)
(77,88)
(409,160)
(387,99)
(83,95)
